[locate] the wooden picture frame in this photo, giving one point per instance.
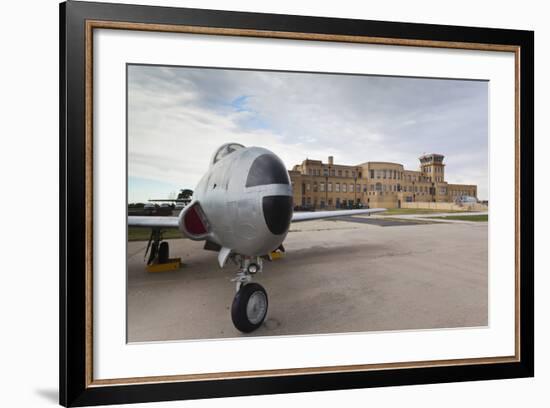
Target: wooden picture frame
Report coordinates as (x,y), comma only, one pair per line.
(78,20)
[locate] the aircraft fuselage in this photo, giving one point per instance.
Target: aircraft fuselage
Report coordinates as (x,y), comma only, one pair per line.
(244,203)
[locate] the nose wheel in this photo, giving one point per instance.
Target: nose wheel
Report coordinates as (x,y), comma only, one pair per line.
(249,307)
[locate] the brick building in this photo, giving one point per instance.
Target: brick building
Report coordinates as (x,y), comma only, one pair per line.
(377,184)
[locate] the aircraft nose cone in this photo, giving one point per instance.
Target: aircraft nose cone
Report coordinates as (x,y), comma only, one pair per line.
(277,213)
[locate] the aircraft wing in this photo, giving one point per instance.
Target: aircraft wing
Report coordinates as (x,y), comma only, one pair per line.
(167,200)
(172,222)
(152,222)
(316,215)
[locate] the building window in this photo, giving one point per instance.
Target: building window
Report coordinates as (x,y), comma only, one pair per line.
(364,188)
(344,187)
(332,172)
(322,187)
(358,188)
(378,186)
(353,174)
(315,187)
(308,187)
(372,174)
(339,173)
(330,201)
(337,187)
(347,173)
(329,187)
(325,172)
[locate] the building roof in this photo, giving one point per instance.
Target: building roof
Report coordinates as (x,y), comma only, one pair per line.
(380,162)
(431,156)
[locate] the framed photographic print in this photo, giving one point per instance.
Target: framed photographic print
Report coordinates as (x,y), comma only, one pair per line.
(256,203)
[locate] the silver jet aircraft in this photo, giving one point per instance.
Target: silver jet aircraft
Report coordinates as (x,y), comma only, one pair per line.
(241,208)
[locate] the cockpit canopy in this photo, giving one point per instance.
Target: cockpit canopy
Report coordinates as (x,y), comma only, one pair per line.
(225,150)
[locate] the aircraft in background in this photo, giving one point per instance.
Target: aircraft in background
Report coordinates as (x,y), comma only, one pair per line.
(184,198)
(241,208)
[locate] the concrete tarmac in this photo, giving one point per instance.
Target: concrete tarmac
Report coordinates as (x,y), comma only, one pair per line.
(336,276)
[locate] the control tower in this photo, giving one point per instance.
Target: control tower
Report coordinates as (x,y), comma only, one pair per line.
(431,166)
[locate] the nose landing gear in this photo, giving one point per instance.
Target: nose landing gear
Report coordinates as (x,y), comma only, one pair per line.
(249,307)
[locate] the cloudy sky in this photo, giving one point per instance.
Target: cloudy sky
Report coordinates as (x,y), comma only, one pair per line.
(178,116)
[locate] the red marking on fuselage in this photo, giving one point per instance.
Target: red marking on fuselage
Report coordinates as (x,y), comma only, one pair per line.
(193,222)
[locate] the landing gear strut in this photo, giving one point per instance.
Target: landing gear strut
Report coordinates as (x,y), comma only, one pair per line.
(158,249)
(249,307)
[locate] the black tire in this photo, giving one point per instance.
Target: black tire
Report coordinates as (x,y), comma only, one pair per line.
(164,253)
(239,308)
